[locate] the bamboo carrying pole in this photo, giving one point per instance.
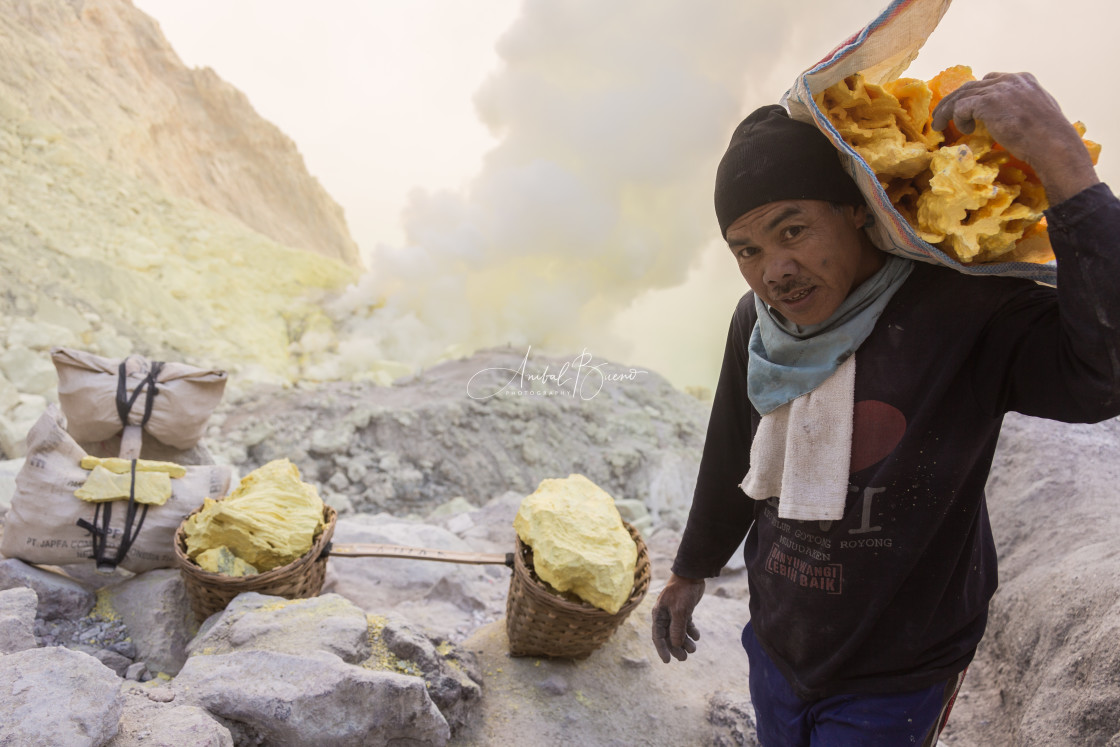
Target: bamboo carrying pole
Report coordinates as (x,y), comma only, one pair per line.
(366,550)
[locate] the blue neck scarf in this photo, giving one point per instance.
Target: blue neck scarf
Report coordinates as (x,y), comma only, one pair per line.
(788,360)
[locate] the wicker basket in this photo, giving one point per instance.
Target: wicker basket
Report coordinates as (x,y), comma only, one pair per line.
(539,622)
(300,579)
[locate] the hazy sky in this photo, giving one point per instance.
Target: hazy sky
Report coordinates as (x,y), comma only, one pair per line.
(381,97)
(376,94)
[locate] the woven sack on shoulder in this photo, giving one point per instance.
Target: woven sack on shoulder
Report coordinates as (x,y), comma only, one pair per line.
(881,51)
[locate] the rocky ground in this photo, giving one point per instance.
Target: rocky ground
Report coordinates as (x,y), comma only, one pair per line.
(421,646)
(462,430)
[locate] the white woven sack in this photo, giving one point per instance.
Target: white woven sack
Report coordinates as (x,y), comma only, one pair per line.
(87,393)
(882,51)
(42,523)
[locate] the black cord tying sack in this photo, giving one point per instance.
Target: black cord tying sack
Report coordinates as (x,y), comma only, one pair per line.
(148,383)
(106,558)
(103,513)
(96,397)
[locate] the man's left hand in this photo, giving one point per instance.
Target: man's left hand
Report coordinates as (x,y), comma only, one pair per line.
(674,634)
(1026,120)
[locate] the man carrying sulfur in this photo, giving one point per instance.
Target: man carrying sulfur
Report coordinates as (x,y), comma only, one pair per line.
(857,412)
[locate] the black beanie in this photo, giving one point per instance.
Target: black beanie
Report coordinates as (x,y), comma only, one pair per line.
(772,157)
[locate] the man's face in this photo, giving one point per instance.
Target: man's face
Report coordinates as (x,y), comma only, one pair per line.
(803,257)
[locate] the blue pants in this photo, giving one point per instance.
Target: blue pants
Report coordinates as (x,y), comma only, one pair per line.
(785,720)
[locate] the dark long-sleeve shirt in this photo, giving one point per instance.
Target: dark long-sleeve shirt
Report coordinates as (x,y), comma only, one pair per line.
(894,595)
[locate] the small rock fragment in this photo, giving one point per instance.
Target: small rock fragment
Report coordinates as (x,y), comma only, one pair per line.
(554,685)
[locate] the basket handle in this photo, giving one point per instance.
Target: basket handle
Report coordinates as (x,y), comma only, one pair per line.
(366,550)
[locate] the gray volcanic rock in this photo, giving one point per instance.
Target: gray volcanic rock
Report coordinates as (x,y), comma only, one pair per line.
(735,714)
(59,596)
(447,598)
(454,431)
(152,717)
(257,622)
(117,662)
(314,698)
(9,468)
(299,632)
(17,620)
(1048,669)
(57,696)
(450,673)
(489,528)
(155,609)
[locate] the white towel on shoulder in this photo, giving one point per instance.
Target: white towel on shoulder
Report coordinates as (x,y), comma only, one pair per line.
(802,451)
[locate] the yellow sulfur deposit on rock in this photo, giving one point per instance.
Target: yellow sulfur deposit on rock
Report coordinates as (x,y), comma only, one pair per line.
(271,519)
(579,542)
(221,560)
(380,657)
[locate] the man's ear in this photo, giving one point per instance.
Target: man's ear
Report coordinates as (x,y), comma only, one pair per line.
(860,216)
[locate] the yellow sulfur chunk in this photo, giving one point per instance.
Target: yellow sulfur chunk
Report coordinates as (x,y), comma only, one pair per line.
(972,197)
(152,488)
(914,97)
(270,520)
(890,155)
(124,466)
(579,542)
(221,560)
(959,184)
(995,228)
(967,207)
